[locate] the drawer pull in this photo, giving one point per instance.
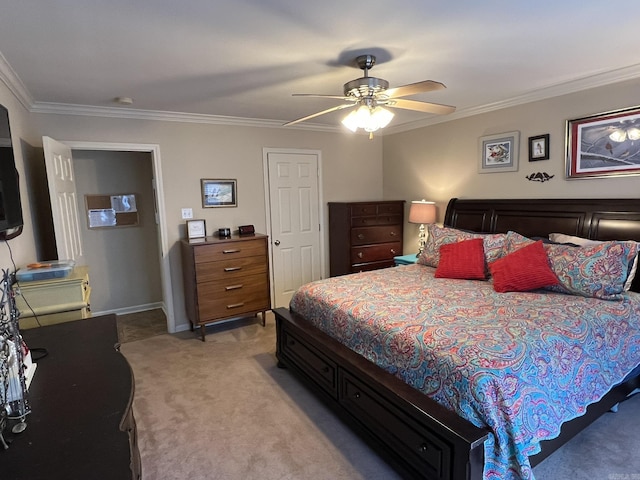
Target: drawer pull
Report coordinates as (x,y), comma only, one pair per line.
(231,251)
(356,395)
(393,251)
(235,305)
(233,287)
(393,234)
(232,269)
(424,448)
(360,255)
(360,236)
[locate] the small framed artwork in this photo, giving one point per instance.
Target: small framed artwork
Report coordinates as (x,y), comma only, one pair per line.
(539,148)
(219,193)
(196,229)
(499,153)
(604,145)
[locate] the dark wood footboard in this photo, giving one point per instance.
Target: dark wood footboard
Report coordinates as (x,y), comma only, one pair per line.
(416,435)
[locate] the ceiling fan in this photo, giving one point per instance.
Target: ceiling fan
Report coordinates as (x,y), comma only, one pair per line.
(370,95)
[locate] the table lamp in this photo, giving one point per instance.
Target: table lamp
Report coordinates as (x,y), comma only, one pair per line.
(422,212)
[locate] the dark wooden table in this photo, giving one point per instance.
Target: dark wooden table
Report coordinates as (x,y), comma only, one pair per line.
(80,399)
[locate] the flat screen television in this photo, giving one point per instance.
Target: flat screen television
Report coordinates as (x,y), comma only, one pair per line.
(10,205)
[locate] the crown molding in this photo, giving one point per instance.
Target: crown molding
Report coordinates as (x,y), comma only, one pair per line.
(166,116)
(11,79)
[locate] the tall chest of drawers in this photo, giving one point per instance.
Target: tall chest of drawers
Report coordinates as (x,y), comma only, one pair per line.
(364,235)
(225,278)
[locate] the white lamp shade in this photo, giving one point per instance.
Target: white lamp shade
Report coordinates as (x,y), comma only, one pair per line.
(422,211)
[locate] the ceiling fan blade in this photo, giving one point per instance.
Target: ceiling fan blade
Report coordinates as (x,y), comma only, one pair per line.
(308,117)
(421,106)
(413,88)
(319,95)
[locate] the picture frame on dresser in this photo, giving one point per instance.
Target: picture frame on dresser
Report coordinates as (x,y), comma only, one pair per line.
(196,229)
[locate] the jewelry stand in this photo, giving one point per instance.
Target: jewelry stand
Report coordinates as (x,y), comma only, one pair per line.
(14,404)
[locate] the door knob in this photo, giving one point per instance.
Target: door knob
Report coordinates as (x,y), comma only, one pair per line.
(276,243)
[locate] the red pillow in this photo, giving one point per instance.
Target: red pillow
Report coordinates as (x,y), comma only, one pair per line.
(462,260)
(525,269)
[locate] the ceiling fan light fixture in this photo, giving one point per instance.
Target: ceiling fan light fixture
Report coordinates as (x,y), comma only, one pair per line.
(367,118)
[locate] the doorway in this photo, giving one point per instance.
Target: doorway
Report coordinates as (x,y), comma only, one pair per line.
(153,152)
(294,220)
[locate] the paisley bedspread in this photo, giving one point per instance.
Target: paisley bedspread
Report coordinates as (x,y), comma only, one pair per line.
(520,364)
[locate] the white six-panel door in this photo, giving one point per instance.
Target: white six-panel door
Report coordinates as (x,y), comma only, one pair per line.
(64,204)
(294,206)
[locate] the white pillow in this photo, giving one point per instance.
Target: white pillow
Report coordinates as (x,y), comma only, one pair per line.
(586,242)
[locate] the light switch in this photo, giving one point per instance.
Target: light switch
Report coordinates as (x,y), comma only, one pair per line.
(187,213)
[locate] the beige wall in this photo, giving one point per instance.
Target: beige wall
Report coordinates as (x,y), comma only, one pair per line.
(441,161)
(23,247)
(351,168)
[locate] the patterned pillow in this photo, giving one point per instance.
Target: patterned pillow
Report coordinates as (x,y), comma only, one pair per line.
(597,271)
(463,260)
(439,236)
(525,269)
(562,238)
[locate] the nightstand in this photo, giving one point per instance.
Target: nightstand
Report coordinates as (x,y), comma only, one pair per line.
(405,259)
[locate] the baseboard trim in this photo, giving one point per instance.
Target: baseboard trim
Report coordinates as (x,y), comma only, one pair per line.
(134,309)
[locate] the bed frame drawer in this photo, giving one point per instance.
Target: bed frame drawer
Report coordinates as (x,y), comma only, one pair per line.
(430,454)
(321,370)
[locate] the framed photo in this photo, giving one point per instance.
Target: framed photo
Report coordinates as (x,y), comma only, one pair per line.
(219,193)
(196,229)
(604,145)
(499,153)
(539,148)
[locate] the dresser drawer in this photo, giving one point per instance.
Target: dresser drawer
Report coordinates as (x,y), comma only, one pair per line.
(382,234)
(215,302)
(376,220)
(224,251)
(390,208)
(230,268)
(364,209)
(365,267)
(372,253)
(429,454)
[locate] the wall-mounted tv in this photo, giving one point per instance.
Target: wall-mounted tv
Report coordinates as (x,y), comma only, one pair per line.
(10,205)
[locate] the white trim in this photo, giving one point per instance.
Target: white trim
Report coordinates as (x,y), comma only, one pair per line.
(165,268)
(128,310)
(13,82)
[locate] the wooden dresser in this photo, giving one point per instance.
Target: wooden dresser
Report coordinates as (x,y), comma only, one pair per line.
(225,278)
(364,235)
(81,423)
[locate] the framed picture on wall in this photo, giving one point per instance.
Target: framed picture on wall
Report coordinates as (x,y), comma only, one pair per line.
(604,145)
(219,193)
(539,148)
(499,153)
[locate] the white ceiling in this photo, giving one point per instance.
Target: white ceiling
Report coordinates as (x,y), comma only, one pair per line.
(242,59)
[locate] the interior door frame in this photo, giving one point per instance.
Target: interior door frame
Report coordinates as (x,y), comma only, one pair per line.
(163,243)
(267,202)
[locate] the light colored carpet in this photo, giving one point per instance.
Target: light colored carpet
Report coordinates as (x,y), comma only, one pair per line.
(221,409)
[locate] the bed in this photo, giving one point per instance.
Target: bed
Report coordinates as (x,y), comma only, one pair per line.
(419,436)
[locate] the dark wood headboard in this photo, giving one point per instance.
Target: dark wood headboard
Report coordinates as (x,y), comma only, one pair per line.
(597,219)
